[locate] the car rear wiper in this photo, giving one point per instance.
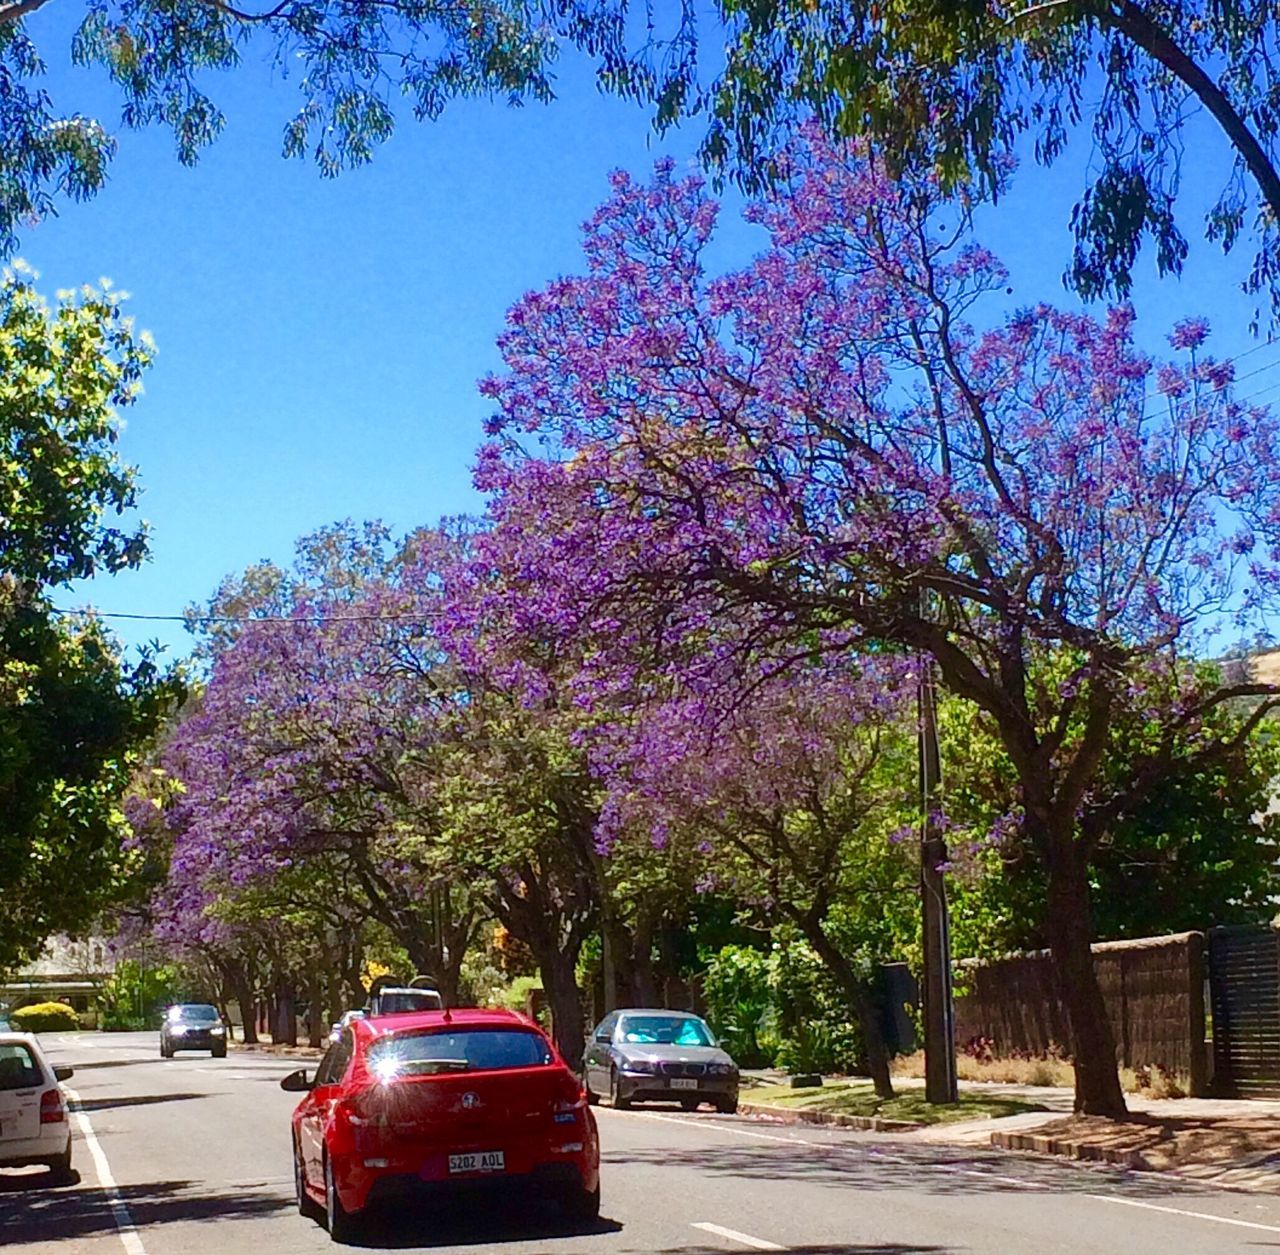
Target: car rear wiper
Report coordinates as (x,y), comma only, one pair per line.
(439,1065)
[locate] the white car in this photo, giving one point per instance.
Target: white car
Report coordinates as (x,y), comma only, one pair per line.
(34,1128)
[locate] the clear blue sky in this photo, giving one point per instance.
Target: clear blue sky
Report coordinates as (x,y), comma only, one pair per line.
(320,339)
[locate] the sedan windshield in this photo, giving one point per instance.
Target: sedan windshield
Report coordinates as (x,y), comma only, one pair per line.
(466,1050)
(194,1013)
(665,1030)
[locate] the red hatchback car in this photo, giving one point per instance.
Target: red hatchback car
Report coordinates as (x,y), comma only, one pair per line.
(407,1104)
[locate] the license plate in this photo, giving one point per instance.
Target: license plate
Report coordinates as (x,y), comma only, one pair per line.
(678,1082)
(478,1161)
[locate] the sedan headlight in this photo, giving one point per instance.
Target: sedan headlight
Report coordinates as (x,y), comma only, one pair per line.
(177,1029)
(218,1031)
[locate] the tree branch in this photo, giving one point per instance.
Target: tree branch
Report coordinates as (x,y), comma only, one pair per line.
(17,11)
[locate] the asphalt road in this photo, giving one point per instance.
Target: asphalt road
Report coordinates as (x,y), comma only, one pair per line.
(191,1155)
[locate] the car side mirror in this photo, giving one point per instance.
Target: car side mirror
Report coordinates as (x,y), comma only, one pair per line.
(297,1082)
(604,1037)
(63,1073)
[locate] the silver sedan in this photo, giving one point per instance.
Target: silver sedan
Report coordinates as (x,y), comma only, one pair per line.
(646,1055)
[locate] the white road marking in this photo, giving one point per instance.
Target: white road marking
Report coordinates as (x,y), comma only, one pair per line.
(731,1129)
(119,1209)
(756,1244)
(1179,1211)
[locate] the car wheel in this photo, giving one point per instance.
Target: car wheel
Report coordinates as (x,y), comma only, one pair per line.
(338,1220)
(306,1204)
(581,1205)
(165,1052)
(690,1104)
(60,1165)
(727,1106)
(219,1052)
(616,1097)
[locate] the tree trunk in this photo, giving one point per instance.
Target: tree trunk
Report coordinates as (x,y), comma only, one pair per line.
(242,991)
(559,982)
(1069,927)
(862,1001)
(317,1023)
(284,1025)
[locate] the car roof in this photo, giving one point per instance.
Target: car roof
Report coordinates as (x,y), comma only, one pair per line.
(453,1017)
(665,1012)
(406,989)
(21,1039)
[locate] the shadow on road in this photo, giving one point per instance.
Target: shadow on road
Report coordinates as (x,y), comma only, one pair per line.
(112,1063)
(132,1100)
(876,1166)
(469,1223)
(50,1215)
(23,1182)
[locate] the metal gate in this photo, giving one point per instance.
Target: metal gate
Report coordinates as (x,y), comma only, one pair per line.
(1244,992)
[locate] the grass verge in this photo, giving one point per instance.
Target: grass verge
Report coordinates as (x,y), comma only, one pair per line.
(857,1098)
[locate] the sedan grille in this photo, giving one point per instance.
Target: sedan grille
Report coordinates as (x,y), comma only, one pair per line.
(670,1067)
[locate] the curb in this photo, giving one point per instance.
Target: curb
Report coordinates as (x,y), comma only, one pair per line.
(269,1048)
(788,1115)
(1044,1145)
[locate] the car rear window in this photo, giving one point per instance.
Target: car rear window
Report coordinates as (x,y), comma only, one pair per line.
(460,1050)
(18,1070)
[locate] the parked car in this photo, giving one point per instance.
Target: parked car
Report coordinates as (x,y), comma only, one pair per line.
(645,1055)
(418,1103)
(401,1000)
(193,1026)
(335,1029)
(34,1128)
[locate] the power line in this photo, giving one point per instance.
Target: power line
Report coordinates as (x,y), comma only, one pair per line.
(188,619)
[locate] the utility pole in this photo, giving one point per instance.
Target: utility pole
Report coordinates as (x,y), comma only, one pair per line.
(939,1011)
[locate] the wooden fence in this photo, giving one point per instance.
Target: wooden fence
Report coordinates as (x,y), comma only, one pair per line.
(1154,991)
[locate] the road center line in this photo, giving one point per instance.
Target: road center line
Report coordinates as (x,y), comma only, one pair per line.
(119,1209)
(1179,1211)
(757,1244)
(727,1129)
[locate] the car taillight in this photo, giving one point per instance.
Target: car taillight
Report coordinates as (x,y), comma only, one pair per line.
(52,1110)
(566,1110)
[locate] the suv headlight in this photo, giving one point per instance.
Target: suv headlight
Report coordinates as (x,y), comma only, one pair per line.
(177,1029)
(647,1066)
(721,1069)
(218,1031)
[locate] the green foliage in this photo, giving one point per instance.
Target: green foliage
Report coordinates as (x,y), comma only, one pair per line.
(1198,852)
(133,996)
(816,1027)
(515,997)
(741,1007)
(73,715)
(45,1017)
(781,1008)
(64,374)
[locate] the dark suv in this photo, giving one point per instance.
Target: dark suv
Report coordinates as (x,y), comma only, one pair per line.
(193,1026)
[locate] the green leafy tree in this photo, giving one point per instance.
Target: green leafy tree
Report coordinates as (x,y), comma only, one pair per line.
(74,716)
(950,84)
(1198,852)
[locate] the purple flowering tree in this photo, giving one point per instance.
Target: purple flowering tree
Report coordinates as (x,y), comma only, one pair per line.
(845,447)
(795,805)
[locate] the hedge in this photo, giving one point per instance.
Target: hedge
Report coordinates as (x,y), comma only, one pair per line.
(44,1017)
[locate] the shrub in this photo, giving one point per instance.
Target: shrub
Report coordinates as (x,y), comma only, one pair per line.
(45,1017)
(740,1004)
